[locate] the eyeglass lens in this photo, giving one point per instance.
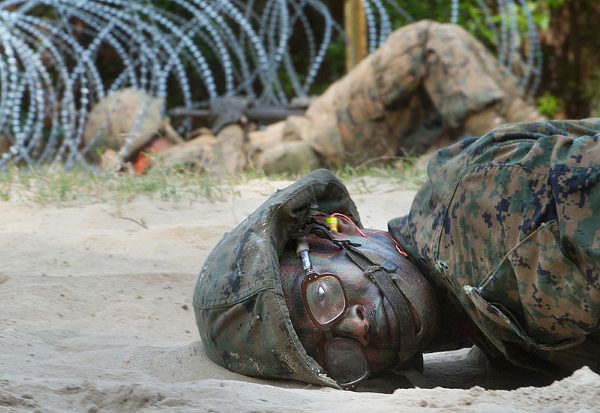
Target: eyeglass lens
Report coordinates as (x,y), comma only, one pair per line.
(345,360)
(325,299)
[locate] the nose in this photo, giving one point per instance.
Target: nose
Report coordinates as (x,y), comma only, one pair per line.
(355,324)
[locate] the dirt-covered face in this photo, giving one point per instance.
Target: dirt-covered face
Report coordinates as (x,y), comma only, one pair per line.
(368,317)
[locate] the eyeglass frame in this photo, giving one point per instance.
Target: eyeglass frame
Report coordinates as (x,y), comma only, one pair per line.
(311,275)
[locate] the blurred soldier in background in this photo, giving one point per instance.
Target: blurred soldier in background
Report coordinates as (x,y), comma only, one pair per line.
(428,85)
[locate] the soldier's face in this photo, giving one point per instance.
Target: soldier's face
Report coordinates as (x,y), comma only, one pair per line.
(368,317)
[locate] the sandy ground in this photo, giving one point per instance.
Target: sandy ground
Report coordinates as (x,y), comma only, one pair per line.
(95,316)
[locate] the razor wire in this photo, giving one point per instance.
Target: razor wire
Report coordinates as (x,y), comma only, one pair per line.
(58,58)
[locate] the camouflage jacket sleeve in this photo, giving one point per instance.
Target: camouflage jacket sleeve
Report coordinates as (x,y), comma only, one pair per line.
(510,223)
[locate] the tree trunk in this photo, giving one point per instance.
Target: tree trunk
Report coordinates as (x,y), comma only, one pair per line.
(572,49)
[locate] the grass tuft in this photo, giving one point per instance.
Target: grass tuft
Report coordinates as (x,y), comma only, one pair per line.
(405,173)
(48,185)
(54,185)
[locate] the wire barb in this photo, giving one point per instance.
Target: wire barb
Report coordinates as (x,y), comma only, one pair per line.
(58,58)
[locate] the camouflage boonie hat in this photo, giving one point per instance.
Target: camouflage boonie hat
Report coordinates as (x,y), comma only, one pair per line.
(240,309)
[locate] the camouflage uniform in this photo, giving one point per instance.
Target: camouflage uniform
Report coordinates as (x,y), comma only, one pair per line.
(510,223)
(427,84)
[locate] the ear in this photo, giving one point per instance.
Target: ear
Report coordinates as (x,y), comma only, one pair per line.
(341,223)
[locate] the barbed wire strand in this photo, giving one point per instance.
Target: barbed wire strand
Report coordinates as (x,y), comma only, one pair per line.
(52,54)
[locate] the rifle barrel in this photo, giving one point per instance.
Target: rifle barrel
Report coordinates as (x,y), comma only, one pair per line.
(265,113)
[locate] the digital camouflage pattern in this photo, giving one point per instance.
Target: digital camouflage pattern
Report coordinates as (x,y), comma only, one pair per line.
(510,223)
(428,84)
(240,309)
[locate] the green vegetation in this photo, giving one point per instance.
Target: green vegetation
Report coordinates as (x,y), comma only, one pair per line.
(56,186)
(407,173)
(49,185)
(549,105)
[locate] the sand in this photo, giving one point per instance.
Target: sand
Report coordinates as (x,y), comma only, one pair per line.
(95,316)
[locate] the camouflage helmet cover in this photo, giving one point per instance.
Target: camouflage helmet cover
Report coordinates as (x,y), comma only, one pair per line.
(240,308)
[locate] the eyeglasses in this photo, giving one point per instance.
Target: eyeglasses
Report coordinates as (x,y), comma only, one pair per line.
(324,298)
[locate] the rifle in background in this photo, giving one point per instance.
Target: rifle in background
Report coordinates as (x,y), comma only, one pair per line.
(227,110)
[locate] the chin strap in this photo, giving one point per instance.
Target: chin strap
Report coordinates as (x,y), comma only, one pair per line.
(379,270)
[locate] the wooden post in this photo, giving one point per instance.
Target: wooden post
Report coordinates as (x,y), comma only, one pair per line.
(355,26)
